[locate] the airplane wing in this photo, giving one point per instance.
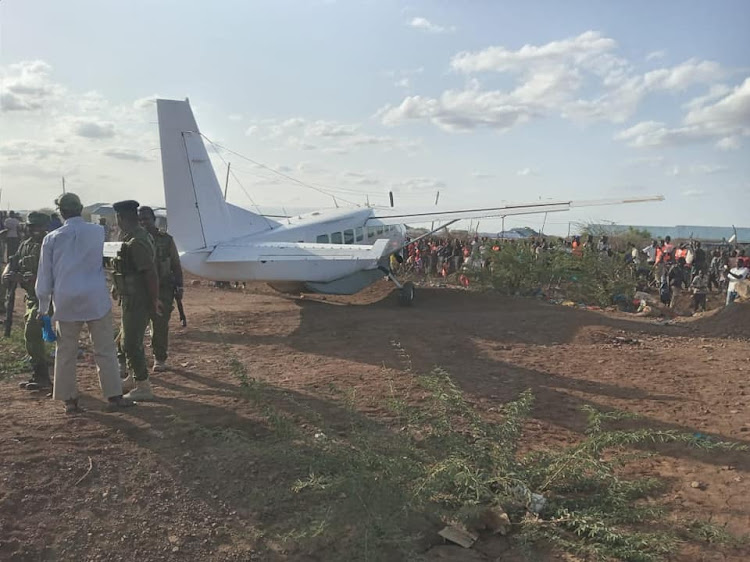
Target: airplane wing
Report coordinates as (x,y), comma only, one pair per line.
(428,214)
(297,252)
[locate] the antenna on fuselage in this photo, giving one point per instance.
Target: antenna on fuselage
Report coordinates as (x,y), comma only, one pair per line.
(226,183)
(390,196)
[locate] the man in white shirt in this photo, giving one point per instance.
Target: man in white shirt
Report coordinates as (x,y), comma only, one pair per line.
(71,276)
(12,236)
(739,273)
(650,252)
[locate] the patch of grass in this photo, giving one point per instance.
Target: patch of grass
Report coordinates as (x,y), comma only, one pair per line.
(372,492)
(12,353)
(712,533)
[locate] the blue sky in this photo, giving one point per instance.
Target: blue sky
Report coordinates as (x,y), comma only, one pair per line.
(482,101)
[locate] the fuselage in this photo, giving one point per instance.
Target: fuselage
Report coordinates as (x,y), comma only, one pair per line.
(325,228)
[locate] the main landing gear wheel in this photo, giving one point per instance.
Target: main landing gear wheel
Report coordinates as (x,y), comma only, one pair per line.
(406,294)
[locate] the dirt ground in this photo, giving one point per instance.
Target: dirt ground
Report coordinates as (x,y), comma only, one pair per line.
(155,482)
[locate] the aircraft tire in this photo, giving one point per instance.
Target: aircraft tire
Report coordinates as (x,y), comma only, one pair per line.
(406,294)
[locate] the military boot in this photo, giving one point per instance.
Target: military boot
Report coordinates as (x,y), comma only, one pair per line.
(40,380)
(141,393)
(128,383)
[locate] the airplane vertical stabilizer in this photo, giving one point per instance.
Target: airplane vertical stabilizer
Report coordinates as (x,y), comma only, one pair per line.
(197,215)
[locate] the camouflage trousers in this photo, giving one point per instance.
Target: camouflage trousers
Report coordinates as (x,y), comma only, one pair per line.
(136,314)
(160,325)
(32,335)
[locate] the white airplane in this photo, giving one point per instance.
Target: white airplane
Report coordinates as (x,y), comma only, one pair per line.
(338,251)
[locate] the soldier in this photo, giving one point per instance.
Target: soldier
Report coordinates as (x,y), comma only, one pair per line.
(170,283)
(24,272)
(137,287)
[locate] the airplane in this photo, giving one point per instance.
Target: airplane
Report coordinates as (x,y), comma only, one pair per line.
(333,251)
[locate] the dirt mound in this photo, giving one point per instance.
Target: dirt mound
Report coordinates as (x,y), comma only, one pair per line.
(732,321)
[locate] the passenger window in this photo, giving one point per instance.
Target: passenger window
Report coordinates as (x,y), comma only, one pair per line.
(371,232)
(349,236)
(360,234)
(322,239)
(336,238)
(380,230)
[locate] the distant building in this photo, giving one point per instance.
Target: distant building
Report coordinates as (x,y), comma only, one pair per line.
(680,232)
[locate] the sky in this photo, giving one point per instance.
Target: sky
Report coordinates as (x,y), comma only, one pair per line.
(481,102)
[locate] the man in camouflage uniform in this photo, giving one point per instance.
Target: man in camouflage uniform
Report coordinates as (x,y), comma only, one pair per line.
(137,287)
(23,271)
(170,282)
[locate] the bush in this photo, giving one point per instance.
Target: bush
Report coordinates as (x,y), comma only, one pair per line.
(592,278)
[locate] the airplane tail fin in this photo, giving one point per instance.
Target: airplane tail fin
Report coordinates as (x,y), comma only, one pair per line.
(197,215)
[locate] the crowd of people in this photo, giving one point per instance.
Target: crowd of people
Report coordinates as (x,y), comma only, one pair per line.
(670,268)
(60,265)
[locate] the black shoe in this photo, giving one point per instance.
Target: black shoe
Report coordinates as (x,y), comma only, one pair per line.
(40,380)
(38,385)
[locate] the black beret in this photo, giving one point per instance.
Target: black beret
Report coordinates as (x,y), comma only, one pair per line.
(125,206)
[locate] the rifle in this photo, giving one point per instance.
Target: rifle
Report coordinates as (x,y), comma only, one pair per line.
(10,297)
(180,308)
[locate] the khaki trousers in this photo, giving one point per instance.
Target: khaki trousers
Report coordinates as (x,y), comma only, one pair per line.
(105,355)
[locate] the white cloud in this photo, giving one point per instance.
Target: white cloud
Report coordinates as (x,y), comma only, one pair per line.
(27,86)
(93,129)
(725,121)
(126,154)
(418,184)
(403,78)
(235,117)
(693,193)
(656,55)
(482,175)
(251,130)
(717,91)
(583,49)
(402,83)
(146,102)
(548,81)
(32,151)
(526,172)
(330,129)
(708,169)
(728,143)
(360,178)
(299,143)
(673,171)
(683,75)
(424,24)
(461,110)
